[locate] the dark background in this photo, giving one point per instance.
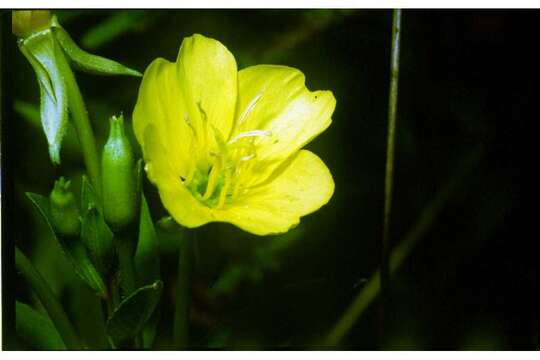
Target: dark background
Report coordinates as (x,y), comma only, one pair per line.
(466,116)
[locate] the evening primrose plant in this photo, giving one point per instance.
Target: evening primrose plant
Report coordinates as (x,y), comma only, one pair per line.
(226,145)
(220,145)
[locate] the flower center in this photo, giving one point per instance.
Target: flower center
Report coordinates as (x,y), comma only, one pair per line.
(218,183)
(224,173)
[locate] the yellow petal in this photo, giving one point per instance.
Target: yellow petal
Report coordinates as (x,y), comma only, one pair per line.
(176,198)
(207,75)
(181,99)
(159,106)
(275,99)
(300,187)
(183,207)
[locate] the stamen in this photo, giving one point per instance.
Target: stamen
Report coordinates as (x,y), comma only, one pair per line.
(247,157)
(249,108)
(204,124)
(224,189)
(219,139)
(212,179)
(250,133)
(228,163)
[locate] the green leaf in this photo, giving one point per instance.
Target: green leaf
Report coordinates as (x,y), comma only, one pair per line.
(89,197)
(35,329)
(27,111)
(87,62)
(98,239)
(229,280)
(86,313)
(147,253)
(139,176)
(133,312)
(42,51)
(31,113)
(95,234)
(72,248)
(112,28)
(150,329)
(147,264)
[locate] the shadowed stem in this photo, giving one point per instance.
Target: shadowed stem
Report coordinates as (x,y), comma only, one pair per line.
(388,182)
(183,291)
(48,300)
(125,247)
(426,219)
(79,116)
(126,250)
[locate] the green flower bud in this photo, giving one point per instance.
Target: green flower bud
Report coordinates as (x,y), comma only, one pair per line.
(120,201)
(27,22)
(64,210)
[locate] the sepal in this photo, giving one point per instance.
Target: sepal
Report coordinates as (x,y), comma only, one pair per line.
(85,61)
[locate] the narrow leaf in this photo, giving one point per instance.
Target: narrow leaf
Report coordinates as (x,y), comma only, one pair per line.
(112,27)
(129,317)
(147,253)
(72,248)
(42,52)
(147,265)
(31,113)
(98,239)
(86,312)
(36,330)
(88,196)
(95,234)
(87,62)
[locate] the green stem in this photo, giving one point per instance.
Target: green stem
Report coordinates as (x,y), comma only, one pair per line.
(125,249)
(388,183)
(79,115)
(115,293)
(112,302)
(183,292)
(113,299)
(425,221)
(47,298)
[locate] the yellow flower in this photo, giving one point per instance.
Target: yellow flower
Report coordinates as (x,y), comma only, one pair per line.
(226,145)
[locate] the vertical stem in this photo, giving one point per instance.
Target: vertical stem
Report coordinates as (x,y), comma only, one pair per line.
(183,292)
(125,246)
(79,115)
(403,249)
(392,113)
(125,249)
(47,298)
(114,298)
